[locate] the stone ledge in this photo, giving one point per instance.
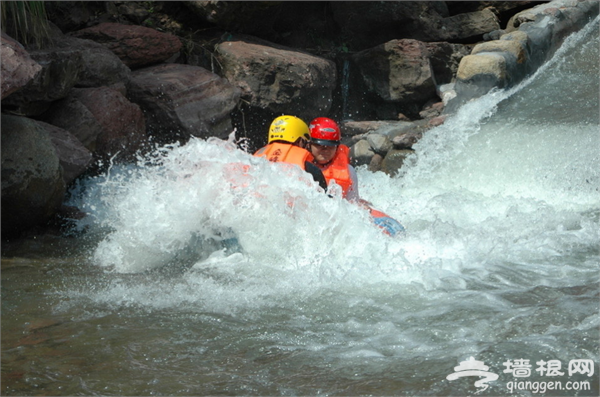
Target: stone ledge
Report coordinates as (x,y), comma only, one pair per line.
(533,37)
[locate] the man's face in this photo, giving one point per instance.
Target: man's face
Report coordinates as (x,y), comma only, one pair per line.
(322,154)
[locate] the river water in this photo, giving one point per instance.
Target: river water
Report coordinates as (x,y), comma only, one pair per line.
(498,268)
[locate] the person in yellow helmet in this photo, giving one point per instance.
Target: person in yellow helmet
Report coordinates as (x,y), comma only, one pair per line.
(288,142)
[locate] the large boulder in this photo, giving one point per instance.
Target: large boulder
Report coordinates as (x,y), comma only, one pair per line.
(103,120)
(533,37)
(74,158)
(136,46)
(100,66)
(278,78)
(32,182)
(445,58)
(370,23)
(60,72)
(68,62)
(468,27)
(180,101)
(393,160)
(17,66)
(398,71)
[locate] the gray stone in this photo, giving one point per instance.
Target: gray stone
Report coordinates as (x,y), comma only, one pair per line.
(73,156)
(32,182)
(393,161)
(361,153)
(398,71)
(379,143)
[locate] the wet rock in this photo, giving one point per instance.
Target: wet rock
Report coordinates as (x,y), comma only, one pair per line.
(380,144)
(361,153)
(17,66)
(123,125)
(103,120)
(375,163)
(275,77)
(446,92)
(136,46)
(73,156)
(445,58)
(504,62)
(384,127)
(437,121)
(468,27)
(432,110)
(72,115)
(32,181)
(398,71)
(180,101)
(100,66)
(393,160)
(60,73)
(406,140)
(494,35)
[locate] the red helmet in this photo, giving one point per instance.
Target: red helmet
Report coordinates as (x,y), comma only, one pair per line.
(325,132)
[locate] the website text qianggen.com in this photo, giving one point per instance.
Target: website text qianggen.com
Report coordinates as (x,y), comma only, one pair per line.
(543,386)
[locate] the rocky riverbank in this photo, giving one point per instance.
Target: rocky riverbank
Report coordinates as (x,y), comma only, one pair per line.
(119,78)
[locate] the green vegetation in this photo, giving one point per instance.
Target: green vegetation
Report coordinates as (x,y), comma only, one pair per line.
(26,22)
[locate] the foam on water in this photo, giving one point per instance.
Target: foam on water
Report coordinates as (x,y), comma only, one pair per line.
(501,210)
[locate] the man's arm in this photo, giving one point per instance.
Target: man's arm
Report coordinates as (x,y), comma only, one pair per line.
(316,174)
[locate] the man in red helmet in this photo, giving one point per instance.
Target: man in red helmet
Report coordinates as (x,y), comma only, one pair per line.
(332,157)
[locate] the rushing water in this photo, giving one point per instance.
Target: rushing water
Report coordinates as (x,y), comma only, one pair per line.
(499,262)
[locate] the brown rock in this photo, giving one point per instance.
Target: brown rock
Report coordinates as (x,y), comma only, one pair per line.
(123,125)
(180,101)
(73,156)
(393,161)
(137,46)
(17,66)
(398,71)
(278,78)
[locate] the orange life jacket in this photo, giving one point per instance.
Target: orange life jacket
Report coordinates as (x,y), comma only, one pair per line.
(337,169)
(286,153)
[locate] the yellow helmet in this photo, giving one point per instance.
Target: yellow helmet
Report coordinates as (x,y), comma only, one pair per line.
(289,129)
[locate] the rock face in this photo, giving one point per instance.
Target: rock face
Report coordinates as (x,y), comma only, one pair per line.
(74,158)
(180,101)
(532,38)
(136,46)
(100,66)
(59,74)
(398,70)
(103,120)
(32,180)
(17,66)
(277,78)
